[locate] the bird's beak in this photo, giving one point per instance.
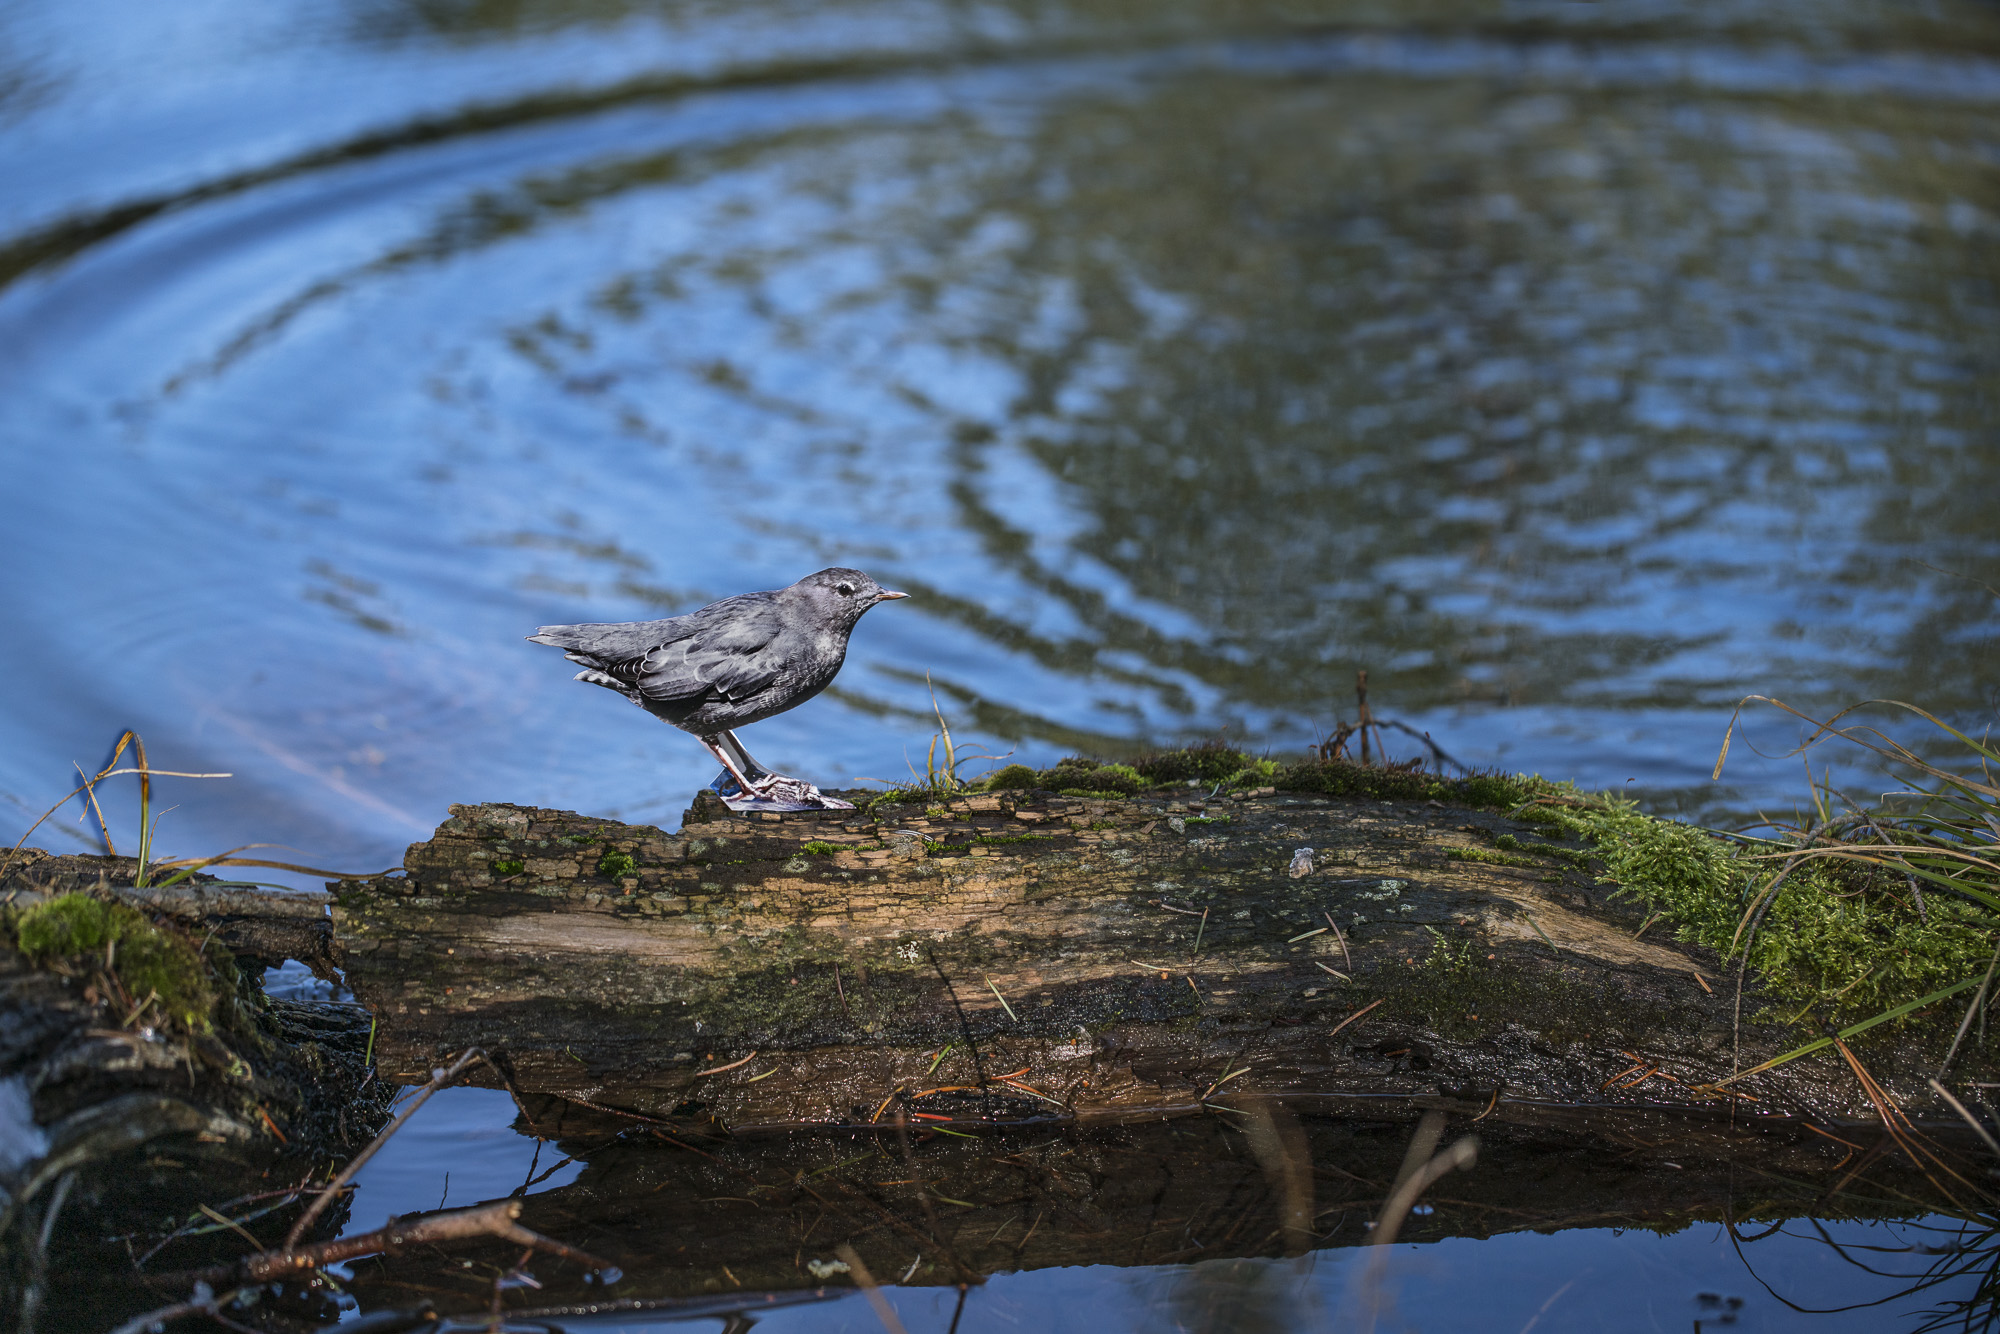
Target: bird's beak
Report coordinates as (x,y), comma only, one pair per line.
(886,596)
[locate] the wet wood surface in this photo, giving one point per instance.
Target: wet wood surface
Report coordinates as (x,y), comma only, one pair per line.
(1021,956)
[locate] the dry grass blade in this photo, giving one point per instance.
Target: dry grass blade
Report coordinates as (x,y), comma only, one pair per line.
(1907,1137)
(1346,958)
(1959,813)
(1278,1142)
(188,866)
(1463,1153)
(1820,1044)
(146,776)
(1992,1145)
(870,1288)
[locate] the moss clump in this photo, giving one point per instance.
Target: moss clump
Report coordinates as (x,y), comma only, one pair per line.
(1839,933)
(508,866)
(819,847)
(1338,778)
(615,865)
(1013,778)
(72,924)
(1208,764)
(147,960)
(1077,774)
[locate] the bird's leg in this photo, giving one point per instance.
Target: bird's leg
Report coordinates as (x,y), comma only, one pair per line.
(767,786)
(743,783)
(744,764)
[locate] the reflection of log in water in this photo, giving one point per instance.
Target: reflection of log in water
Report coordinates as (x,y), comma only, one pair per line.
(1018,956)
(766,1214)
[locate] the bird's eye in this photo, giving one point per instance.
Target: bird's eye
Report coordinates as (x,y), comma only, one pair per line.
(845,590)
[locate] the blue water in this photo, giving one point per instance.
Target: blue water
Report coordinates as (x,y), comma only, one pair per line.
(1576,379)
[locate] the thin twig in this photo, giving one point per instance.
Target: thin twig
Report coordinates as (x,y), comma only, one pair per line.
(485,1220)
(200,1304)
(360,1160)
(1356,1015)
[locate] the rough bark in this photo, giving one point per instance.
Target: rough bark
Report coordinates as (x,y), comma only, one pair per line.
(1136,958)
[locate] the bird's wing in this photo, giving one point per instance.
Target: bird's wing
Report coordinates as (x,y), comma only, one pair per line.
(719,655)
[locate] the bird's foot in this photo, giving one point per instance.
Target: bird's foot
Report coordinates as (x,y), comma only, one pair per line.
(775,792)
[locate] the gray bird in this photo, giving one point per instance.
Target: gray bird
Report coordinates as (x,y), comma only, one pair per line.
(730,664)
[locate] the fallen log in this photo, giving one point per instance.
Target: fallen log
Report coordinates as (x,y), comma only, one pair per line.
(1028,956)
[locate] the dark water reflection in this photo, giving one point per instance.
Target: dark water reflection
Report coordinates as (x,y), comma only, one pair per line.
(1640,1246)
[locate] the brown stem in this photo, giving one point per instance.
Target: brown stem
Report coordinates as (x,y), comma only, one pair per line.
(485,1220)
(360,1160)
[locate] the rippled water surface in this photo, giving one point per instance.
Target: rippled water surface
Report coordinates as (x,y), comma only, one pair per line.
(1576,369)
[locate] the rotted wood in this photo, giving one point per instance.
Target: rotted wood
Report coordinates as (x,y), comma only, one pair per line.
(1022,957)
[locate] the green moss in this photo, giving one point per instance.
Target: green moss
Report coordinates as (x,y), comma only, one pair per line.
(508,866)
(614,865)
(72,924)
(148,960)
(1079,776)
(1208,764)
(1207,819)
(1338,778)
(1257,773)
(1015,777)
(1001,840)
(819,847)
(1842,935)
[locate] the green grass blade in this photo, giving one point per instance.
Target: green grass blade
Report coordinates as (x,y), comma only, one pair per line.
(1851,1030)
